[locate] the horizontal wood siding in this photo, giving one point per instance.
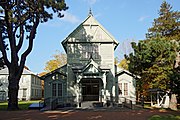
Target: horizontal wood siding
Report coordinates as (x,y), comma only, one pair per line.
(107,55)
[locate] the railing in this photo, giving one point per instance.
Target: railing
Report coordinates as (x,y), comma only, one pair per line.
(47,101)
(65,101)
(69,101)
(41,104)
(54,104)
(126,102)
(123,101)
(44,102)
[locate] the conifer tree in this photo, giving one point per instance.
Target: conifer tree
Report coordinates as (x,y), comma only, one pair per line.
(167,24)
(154,59)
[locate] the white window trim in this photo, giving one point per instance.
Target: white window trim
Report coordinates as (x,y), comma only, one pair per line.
(128,84)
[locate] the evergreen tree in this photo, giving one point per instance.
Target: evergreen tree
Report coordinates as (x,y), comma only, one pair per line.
(167,24)
(153,60)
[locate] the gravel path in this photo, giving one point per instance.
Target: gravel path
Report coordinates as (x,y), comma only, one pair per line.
(83,115)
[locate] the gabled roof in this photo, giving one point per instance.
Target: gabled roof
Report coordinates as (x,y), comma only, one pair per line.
(86,68)
(121,71)
(91,64)
(58,71)
(25,72)
(89,21)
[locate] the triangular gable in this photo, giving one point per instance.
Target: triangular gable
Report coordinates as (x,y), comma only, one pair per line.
(61,70)
(91,67)
(90,30)
(121,71)
(99,29)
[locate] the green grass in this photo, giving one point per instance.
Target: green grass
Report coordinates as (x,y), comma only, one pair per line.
(23,105)
(167,117)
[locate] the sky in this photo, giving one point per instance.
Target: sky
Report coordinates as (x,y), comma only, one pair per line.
(126,20)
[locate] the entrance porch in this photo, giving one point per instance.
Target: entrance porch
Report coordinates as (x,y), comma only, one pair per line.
(91,89)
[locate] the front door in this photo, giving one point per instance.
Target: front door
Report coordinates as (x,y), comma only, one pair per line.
(90,89)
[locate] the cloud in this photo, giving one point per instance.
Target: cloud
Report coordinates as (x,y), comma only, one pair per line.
(68,17)
(53,23)
(142,18)
(91,2)
(97,15)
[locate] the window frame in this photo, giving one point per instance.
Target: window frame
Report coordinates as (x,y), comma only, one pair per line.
(124,88)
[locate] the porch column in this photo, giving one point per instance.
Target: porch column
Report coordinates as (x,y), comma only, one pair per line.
(78,91)
(77,94)
(104,87)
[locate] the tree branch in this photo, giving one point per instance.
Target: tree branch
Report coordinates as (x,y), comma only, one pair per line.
(11,35)
(3,50)
(20,39)
(25,16)
(29,49)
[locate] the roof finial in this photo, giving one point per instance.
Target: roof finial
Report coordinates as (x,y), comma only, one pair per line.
(90,12)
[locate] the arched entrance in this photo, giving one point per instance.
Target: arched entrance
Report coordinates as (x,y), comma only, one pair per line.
(91,89)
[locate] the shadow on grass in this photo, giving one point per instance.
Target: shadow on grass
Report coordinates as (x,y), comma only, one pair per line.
(23,105)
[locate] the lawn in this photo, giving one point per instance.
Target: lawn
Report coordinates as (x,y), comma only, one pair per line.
(166,117)
(23,105)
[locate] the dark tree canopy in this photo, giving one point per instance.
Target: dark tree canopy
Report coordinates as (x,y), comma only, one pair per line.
(19,21)
(154,61)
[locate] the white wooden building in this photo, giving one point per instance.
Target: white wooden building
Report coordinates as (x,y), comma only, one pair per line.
(29,86)
(90,73)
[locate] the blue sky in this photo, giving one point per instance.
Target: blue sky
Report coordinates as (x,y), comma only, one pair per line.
(126,20)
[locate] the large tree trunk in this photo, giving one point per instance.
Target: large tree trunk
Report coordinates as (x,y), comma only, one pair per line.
(13,98)
(13,90)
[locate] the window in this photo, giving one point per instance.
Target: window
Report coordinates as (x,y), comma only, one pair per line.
(57,89)
(35,92)
(120,88)
(24,92)
(60,89)
(32,78)
(38,92)
(125,89)
(32,92)
(54,89)
(96,51)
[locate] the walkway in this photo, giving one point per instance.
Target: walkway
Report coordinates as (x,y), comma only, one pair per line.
(82,114)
